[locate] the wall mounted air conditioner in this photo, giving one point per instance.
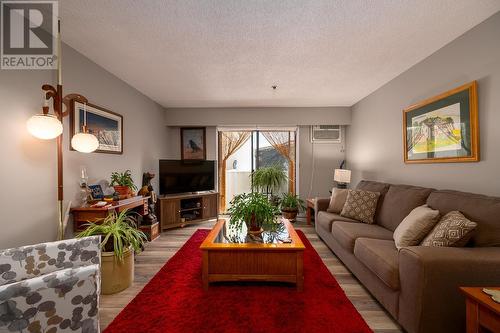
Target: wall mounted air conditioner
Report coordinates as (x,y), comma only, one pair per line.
(326,134)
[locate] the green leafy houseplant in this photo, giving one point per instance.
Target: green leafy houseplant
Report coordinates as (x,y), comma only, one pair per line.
(254,210)
(290,205)
(123,183)
(268,179)
(123,179)
(119,233)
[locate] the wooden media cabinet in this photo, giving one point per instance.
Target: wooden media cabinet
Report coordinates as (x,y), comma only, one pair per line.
(183,209)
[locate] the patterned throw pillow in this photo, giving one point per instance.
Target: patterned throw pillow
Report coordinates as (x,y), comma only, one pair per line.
(337,200)
(360,205)
(454,229)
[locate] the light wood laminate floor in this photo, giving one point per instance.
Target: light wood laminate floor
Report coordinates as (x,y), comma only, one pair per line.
(157,253)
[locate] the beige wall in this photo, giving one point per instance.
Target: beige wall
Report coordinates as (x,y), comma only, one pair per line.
(327,157)
(374,138)
(258,116)
(28,167)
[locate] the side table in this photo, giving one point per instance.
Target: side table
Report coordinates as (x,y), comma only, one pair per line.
(483,314)
(310,210)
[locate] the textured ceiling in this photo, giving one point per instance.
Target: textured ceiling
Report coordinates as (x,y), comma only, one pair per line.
(200,53)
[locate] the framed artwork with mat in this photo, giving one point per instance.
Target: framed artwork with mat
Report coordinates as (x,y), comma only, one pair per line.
(443,128)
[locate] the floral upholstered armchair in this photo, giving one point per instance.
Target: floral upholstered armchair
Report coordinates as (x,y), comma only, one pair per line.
(51,287)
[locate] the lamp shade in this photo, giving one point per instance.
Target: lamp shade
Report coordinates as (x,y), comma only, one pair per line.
(342,176)
(44,126)
(84,142)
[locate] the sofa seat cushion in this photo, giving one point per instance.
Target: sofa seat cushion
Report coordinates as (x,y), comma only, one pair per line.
(381,257)
(399,201)
(346,233)
(325,220)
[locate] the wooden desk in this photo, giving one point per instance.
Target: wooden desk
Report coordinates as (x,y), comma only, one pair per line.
(483,314)
(83,215)
(310,210)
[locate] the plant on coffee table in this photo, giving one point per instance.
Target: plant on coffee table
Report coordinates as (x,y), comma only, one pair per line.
(255,211)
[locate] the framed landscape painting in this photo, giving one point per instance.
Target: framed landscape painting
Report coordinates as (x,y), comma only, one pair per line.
(106,125)
(443,128)
(193,146)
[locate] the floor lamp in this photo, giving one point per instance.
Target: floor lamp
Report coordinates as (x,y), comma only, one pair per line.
(48,126)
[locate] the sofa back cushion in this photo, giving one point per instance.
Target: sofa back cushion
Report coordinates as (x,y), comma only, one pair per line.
(398,202)
(482,209)
(372,186)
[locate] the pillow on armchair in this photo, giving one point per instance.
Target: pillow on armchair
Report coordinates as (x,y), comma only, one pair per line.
(361,205)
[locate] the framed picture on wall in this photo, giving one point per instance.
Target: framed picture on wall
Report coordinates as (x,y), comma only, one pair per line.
(443,128)
(193,143)
(106,125)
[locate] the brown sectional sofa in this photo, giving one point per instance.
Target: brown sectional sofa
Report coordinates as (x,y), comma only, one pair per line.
(417,285)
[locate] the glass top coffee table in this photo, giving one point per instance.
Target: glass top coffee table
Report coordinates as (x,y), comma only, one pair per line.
(236,256)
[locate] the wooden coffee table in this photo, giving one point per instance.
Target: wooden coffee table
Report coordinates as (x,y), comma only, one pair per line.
(225,261)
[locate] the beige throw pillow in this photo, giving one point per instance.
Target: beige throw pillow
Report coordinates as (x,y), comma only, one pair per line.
(360,205)
(415,226)
(337,200)
(454,229)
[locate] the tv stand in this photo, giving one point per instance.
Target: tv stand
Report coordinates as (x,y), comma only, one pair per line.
(187,208)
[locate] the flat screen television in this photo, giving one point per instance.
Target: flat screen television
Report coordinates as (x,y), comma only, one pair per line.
(177,176)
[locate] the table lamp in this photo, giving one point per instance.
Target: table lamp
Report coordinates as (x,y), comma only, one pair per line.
(342,177)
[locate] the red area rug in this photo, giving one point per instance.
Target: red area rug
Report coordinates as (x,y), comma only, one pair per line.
(174,301)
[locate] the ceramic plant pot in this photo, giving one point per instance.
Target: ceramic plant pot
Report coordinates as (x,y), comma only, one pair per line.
(116,275)
(123,191)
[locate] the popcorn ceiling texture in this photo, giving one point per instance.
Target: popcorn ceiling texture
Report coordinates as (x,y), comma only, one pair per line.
(195,53)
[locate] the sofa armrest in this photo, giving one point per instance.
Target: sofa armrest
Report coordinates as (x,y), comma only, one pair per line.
(430,276)
(321,204)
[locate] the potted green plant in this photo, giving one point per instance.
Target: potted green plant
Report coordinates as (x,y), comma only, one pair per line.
(254,210)
(291,205)
(120,240)
(268,179)
(123,183)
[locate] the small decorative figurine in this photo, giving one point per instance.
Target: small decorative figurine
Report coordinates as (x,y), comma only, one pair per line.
(147,190)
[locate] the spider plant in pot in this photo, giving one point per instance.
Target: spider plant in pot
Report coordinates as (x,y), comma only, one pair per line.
(123,183)
(268,179)
(291,205)
(253,210)
(120,239)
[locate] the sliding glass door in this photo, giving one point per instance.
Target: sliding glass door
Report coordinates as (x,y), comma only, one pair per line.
(243,151)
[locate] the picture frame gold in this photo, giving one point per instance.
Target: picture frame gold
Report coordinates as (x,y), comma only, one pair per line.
(443,128)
